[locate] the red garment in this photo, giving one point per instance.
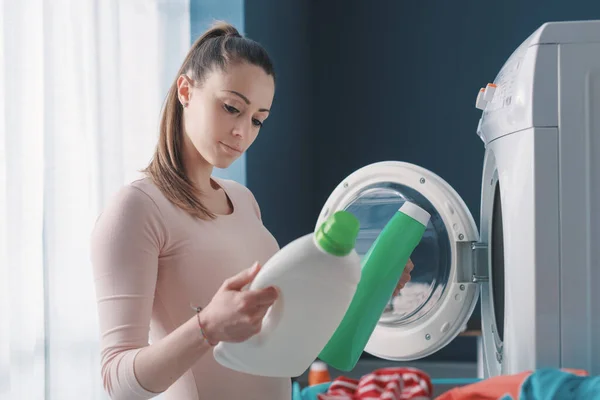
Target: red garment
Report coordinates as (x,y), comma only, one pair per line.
(385,383)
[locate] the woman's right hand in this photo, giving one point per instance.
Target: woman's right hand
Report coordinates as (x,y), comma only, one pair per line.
(234,315)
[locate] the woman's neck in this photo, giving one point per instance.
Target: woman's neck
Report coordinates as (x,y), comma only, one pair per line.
(201,178)
(196,167)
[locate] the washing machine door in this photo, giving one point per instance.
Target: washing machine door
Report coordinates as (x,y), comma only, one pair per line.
(435,305)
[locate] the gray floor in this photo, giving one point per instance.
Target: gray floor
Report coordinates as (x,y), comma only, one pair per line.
(436,370)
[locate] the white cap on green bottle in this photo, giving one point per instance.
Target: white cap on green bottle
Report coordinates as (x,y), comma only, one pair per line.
(415,212)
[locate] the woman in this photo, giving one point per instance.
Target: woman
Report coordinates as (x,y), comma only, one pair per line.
(173,250)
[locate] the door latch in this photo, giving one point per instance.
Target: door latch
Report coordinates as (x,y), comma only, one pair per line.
(480,262)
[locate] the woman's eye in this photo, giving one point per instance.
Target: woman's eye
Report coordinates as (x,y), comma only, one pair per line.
(230,109)
(256,122)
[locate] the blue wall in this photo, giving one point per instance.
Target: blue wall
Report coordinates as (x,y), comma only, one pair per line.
(282,165)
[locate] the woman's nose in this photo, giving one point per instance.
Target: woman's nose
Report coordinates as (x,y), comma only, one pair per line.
(242,129)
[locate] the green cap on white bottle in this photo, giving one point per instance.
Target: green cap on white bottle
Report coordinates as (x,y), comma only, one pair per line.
(337,235)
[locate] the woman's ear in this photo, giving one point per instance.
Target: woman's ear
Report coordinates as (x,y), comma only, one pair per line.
(184,90)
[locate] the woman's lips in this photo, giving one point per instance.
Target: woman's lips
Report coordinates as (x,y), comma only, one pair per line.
(232,149)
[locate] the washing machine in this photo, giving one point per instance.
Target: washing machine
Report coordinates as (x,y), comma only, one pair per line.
(535,260)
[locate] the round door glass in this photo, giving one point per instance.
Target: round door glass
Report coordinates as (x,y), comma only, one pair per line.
(374,206)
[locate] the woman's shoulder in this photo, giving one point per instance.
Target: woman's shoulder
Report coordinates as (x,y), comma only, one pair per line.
(131,212)
(140,194)
(138,202)
(130,200)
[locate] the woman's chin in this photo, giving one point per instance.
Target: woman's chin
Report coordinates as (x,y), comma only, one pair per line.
(223,163)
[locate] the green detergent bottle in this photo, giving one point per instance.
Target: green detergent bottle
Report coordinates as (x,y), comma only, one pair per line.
(382,268)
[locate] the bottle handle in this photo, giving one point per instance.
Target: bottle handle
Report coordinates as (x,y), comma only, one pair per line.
(270,321)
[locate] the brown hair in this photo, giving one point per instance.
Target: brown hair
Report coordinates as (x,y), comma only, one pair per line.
(218,47)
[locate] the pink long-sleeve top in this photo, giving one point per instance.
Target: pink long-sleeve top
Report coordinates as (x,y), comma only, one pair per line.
(151,263)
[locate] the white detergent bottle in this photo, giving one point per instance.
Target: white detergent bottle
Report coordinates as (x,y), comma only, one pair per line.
(317,276)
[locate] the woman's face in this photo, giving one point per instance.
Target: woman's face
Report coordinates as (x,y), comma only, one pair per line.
(223,115)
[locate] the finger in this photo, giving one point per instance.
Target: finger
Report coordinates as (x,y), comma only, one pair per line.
(409,266)
(257,327)
(404,278)
(260,313)
(237,282)
(262,297)
(399,287)
(256,318)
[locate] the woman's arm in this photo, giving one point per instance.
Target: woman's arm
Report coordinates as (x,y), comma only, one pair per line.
(125,246)
(158,366)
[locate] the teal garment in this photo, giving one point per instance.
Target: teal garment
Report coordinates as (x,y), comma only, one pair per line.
(296,391)
(549,384)
(310,392)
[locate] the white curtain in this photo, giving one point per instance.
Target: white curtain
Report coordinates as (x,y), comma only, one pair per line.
(81,87)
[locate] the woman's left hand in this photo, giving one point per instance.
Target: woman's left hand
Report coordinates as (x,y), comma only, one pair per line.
(405,277)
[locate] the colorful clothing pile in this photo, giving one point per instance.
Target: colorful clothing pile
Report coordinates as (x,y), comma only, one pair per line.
(385,383)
